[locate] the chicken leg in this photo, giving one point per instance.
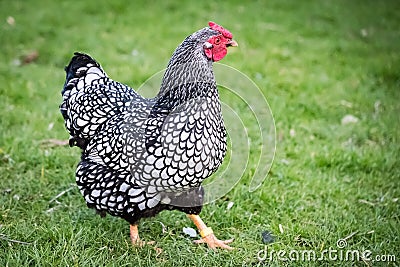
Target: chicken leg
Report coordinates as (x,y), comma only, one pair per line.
(134,234)
(207,234)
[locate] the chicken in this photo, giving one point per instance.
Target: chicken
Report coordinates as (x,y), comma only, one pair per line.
(141,156)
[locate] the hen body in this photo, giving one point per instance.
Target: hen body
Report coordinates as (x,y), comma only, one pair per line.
(141,156)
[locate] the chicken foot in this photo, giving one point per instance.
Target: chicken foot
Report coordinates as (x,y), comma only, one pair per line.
(135,239)
(207,235)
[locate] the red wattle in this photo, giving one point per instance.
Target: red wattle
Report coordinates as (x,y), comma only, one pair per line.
(219,54)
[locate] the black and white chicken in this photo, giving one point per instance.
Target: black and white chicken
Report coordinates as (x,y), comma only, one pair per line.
(141,156)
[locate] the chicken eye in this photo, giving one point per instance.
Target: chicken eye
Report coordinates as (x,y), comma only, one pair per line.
(217,40)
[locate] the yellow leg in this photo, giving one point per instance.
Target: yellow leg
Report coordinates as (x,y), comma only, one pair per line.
(208,235)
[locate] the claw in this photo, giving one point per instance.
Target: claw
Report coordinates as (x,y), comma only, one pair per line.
(208,236)
(213,242)
(136,241)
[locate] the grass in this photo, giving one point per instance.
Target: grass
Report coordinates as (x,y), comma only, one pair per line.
(315,62)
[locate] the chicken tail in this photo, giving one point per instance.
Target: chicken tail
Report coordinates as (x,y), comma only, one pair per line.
(80,72)
(90,98)
(78,68)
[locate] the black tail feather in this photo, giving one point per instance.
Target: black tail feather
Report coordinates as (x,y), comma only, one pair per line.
(72,70)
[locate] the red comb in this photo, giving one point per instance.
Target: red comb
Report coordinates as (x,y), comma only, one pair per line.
(216,27)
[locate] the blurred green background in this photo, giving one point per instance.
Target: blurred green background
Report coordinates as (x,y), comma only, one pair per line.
(315,62)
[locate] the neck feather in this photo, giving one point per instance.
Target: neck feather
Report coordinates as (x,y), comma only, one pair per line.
(187,72)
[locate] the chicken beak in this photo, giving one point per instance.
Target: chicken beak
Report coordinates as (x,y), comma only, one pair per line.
(232,43)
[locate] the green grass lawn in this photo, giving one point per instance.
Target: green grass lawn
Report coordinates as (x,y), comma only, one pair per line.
(315,62)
